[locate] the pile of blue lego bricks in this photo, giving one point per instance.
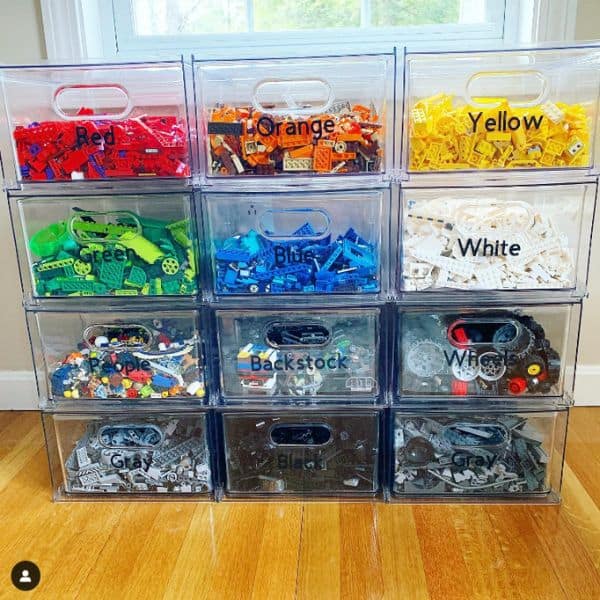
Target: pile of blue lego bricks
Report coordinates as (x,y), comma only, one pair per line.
(301,263)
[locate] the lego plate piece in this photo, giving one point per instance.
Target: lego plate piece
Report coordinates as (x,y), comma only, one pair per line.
(513,109)
(297,453)
(74,250)
(478,453)
(501,238)
(162,454)
(96,122)
(292,354)
(103,356)
(312,116)
(323,243)
(512,352)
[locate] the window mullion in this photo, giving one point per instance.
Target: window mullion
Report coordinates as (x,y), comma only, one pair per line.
(365,13)
(250,15)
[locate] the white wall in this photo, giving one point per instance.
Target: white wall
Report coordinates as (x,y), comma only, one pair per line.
(22,40)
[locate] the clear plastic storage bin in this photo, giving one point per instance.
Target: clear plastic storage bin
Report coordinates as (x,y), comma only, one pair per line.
(289,353)
(94,122)
(301,453)
(109,355)
(511,351)
(477,453)
(136,245)
(296,116)
(496,238)
(104,454)
(510,109)
(300,243)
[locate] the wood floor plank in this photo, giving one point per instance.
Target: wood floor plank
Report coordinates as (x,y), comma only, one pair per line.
(401,560)
(320,553)
(153,564)
(482,554)
(566,553)
(279,552)
(19,455)
(443,562)
(360,552)
(583,456)
(582,513)
(532,574)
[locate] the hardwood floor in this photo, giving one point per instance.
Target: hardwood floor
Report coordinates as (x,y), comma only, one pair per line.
(311,551)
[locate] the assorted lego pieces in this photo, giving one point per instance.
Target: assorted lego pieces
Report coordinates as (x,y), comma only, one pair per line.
(472,454)
(132,361)
(325,453)
(488,353)
(245,141)
(291,355)
(257,264)
(146,146)
(444,135)
(301,398)
(165,455)
(485,244)
(117,253)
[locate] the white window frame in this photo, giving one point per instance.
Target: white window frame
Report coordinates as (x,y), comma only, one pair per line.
(79,30)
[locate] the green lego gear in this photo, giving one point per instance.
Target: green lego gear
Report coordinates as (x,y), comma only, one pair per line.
(170,265)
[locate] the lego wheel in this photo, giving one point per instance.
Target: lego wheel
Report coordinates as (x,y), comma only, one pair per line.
(466,371)
(81,267)
(491,366)
(425,359)
(170,266)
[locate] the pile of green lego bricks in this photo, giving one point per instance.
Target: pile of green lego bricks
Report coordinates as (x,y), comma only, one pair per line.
(114,254)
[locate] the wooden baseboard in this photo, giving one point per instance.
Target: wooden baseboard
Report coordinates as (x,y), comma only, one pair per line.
(19,391)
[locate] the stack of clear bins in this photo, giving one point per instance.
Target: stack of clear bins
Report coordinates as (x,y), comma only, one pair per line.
(98,162)
(496,208)
(296,157)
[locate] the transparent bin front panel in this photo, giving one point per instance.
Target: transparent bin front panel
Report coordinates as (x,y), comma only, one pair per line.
(299,354)
(476,454)
(514,109)
(115,454)
(142,245)
(496,238)
(270,454)
(296,116)
(313,243)
(132,356)
(95,122)
(512,351)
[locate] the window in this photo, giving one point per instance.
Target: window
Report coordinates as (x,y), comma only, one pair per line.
(243,28)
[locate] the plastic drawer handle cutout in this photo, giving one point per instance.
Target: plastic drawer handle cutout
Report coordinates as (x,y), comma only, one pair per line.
(500,217)
(465,434)
(471,332)
(300,435)
(293,96)
(104,227)
(118,335)
(297,335)
(522,88)
(130,436)
(294,223)
(109,101)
